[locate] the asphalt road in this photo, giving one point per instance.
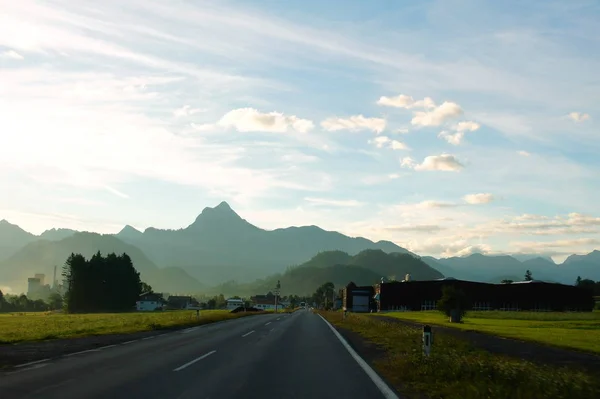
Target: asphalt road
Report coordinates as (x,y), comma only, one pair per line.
(268,356)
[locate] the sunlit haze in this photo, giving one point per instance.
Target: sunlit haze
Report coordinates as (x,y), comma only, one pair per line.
(447,127)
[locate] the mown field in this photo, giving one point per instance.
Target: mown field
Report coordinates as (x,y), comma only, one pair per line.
(579,331)
(456,370)
(20,327)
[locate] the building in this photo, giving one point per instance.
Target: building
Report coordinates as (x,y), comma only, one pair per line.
(264,302)
(181,302)
(34,285)
(358,299)
(525,295)
(234,303)
(150,302)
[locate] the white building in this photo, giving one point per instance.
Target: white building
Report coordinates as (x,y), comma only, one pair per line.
(234,303)
(149,303)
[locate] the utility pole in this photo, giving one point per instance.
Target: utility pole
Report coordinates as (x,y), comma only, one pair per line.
(277,289)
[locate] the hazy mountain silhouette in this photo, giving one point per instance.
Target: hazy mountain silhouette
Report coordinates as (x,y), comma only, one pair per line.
(56,234)
(478,267)
(12,238)
(40,256)
(220,245)
(586,266)
(365,268)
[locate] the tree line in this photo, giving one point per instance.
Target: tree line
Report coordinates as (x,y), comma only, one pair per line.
(590,285)
(21,303)
(101,284)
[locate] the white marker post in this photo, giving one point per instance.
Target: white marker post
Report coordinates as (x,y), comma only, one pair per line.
(427,340)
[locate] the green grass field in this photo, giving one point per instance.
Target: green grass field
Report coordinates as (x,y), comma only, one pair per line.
(20,327)
(579,331)
(456,370)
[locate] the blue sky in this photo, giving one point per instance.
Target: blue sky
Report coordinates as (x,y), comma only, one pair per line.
(448,127)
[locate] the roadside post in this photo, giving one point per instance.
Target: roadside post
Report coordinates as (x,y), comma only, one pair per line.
(427,340)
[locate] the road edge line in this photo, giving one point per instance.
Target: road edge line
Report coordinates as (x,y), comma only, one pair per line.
(387,392)
(31,363)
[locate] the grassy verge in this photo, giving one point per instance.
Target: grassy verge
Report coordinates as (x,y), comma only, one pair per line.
(21,327)
(455,370)
(580,331)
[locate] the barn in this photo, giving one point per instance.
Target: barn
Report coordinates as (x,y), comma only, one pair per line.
(525,295)
(358,299)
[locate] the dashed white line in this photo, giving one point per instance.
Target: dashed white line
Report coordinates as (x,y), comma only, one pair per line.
(79,353)
(266,324)
(194,361)
(106,347)
(129,342)
(188,330)
(31,363)
(279,318)
(148,338)
(248,333)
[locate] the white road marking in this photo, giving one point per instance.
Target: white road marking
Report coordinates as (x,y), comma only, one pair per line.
(129,342)
(188,330)
(79,353)
(271,329)
(32,363)
(248,333)
(34,367)
(279,318)
(194,361)
(148,338)
(266,324)
(106,347)
(379,383)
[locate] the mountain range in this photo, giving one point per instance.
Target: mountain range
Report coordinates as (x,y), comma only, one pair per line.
(221,247)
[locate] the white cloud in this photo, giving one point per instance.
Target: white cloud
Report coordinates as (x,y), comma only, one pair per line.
(408,162)
(116,192)
(523,153)
(252,120)
(555,247)
(429,204)
(480,198)
(386,142)
(354,123)
(404,101)
(12,54)
(423,228)
(578,116)
(467,126)
(336,203)
(438,116)
(444,162)
(459,132)
(187,110)
(452,138)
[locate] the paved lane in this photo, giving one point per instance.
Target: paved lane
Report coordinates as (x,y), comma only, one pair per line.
(276,356)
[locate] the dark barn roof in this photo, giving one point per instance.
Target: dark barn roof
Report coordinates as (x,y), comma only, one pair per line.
(526,295)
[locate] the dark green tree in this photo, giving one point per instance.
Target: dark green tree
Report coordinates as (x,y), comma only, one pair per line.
(108,283)
(454,303)
(55,301)
(528,276)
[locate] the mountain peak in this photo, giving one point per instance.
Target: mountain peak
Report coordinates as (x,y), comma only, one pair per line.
(224,206)
(129,230)
(221,216)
